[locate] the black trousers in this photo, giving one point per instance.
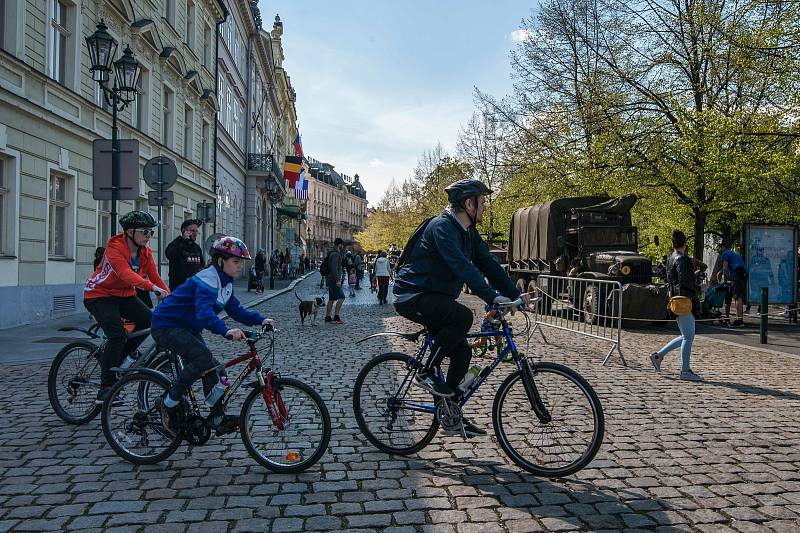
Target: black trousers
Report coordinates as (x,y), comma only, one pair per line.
(196,357)
(109,313)
(383,287)
(449,322)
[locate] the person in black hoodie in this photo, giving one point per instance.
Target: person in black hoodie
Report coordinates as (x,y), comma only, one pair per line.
(184,254)
(682,280)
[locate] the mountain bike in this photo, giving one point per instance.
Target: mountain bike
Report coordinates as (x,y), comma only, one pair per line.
(546,417)
(284,423)
(74,377)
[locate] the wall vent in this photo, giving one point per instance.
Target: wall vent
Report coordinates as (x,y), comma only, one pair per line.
(64,304)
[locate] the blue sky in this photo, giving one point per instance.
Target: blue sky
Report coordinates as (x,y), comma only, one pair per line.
(379,82)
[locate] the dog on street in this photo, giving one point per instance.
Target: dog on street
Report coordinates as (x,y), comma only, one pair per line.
(309,307)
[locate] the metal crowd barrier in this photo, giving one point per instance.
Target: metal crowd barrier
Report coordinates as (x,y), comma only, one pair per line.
(588,307)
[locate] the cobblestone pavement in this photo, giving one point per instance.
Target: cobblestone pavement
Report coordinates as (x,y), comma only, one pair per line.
(723,455)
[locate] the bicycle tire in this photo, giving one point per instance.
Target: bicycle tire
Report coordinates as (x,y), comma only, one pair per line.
(402,361)
(271,462)
(524,409)
(143,393)
(56,383)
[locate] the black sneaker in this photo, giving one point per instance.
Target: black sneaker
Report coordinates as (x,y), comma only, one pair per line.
(328,319)
(426,379)
(337,320)
(471,429)
(170,417)
(229,424)
(737,324)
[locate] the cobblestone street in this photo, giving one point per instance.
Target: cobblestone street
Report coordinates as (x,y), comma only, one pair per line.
(723,455)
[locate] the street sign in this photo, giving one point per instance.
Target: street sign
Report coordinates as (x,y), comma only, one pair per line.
(160,171)
(166,199)
(129,169)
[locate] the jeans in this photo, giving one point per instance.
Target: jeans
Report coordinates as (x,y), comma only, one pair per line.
(684,340)
(109,312)
(449,322)
(196,357)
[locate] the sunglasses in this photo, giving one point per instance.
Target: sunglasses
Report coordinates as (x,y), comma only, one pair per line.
(146,232)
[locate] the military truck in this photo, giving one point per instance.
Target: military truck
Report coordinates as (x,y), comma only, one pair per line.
(587,237)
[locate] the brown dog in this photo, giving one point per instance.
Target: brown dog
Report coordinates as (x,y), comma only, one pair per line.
(309,307)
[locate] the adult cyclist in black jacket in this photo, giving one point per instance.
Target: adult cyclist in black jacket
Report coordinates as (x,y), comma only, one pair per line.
(449,253)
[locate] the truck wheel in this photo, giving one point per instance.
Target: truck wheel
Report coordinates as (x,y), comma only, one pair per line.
(591,304)
(521,286)
(545,304)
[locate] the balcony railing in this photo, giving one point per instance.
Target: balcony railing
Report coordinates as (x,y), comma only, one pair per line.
(263,163)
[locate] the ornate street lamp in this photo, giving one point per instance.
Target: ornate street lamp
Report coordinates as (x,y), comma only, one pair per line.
(102,50)
(274,194)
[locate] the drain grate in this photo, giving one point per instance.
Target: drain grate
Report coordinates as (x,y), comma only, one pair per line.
(64,304)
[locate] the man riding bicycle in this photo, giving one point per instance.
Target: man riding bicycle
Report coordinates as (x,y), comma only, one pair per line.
(178,325)
(449,253)
(110,293)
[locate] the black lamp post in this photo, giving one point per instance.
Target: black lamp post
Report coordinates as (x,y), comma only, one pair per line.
(274,194)
(102,49)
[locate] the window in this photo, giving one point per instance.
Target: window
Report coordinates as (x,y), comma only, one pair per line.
(60,37)
(168,117)
(103,222)
(100,99)
(208,47)
(169,12)
(188,132)
(58,212)
(140,113)
(206,155)
(190,31)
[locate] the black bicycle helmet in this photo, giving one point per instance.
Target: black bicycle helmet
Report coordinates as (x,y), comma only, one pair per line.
(138,219)
(462,189)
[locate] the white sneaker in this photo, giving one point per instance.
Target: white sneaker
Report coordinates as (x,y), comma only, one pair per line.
(656,358)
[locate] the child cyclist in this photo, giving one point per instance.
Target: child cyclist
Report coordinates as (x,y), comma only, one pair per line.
(180,319)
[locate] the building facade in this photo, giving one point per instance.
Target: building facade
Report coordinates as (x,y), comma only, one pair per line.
(337,207)
(50,112)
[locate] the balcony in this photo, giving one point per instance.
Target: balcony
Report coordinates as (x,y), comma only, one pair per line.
(264,167)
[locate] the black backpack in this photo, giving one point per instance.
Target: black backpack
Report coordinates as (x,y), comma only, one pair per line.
(412,242)
(325,267)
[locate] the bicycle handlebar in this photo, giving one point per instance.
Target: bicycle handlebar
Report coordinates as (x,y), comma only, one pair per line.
(252,335)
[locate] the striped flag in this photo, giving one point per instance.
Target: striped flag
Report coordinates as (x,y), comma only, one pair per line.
(291,169)
(301,188)
(298,145)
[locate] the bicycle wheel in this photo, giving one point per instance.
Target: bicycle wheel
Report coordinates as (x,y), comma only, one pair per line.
(73,382)
(388,407)
(304,437)
(564,445)
(132,419)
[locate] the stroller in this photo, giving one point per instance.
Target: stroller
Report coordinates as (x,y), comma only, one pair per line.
(254,281)
(373,282)
(713,300)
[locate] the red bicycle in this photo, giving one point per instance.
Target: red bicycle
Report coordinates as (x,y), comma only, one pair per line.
(284,423)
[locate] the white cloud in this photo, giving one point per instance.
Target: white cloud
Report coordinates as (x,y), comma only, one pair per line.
(519,36)
(375,163)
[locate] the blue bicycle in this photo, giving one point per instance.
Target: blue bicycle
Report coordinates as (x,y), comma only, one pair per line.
(546,417)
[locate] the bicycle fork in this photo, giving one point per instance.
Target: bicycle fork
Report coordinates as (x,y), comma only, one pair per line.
(532,392)
(272,397)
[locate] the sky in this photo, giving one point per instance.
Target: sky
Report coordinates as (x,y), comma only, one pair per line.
(379,82)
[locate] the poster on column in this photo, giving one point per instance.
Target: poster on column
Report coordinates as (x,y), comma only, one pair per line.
(770,256)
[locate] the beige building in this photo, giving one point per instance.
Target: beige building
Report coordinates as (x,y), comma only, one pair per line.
(337,207)
(50,112)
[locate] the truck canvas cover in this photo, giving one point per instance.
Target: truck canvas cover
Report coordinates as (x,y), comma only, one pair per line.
(534,230)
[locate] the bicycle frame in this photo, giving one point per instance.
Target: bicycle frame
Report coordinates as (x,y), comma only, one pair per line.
(510,347)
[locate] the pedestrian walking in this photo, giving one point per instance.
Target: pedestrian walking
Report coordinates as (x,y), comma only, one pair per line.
(184,254)
(682,281)
(334,280)
(383,274)
(359,269)
(734,271)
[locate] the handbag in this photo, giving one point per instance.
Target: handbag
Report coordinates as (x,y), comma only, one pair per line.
(680,305)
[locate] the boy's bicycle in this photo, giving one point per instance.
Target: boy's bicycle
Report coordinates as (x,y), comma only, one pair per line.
(74,377)
(547,418)
(284,423)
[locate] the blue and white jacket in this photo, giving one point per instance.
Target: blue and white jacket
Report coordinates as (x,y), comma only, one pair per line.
(197,302)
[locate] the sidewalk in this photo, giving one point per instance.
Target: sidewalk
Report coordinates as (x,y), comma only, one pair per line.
(42,341)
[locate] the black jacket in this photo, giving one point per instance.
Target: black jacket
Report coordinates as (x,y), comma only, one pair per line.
(185,260)
(447,256)
(680,275)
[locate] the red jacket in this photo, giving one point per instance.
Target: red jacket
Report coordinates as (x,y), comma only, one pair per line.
(114,276)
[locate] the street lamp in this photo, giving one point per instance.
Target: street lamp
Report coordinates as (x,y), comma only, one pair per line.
(274,194)
(102,49)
